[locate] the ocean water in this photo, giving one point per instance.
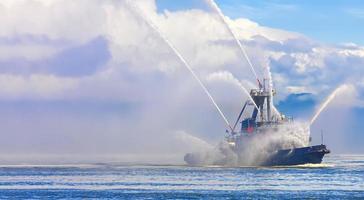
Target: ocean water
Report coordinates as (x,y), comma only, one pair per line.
(339,177)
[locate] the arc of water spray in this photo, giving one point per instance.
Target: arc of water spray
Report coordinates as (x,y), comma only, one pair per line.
(214,6)
(247,93)
(180,57)
(327,101)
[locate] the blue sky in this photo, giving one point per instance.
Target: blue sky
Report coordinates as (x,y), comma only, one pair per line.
(335,21)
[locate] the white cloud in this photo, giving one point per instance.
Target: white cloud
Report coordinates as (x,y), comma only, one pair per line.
(35,87)
(74,20)
(27,51)
(247,29)
(298,63)
(144,72)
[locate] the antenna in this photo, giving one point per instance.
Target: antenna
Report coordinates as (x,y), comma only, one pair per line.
(322,136)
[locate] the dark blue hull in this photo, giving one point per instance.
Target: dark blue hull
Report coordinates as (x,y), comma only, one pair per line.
(298,156)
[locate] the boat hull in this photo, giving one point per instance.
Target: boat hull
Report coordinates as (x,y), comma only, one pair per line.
(286,157)
(297,156)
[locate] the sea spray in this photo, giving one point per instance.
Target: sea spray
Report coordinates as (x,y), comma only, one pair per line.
(259,147)
(192,142)
(256,148)
(221,155)
(180,57)
(341,88)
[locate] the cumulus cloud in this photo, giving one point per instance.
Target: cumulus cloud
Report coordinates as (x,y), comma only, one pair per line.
(35,86)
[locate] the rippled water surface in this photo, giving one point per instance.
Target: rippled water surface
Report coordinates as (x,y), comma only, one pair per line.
(340,177)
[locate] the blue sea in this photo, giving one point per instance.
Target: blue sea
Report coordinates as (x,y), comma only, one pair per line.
(339,177)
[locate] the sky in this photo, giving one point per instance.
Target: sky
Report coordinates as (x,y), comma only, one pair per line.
(87,80)
(327,21)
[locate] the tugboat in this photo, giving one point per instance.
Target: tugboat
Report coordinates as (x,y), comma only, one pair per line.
(259,124)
